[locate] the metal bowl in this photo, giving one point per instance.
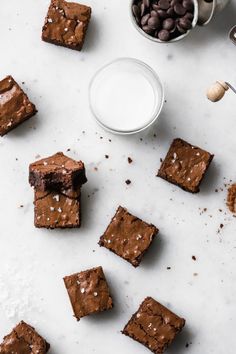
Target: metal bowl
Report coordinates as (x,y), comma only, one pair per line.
(139,29)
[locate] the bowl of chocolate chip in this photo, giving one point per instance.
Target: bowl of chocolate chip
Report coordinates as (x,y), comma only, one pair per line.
(164,20)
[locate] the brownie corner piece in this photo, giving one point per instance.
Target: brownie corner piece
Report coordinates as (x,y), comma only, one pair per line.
(24,339)
(128,236)
(57,210)
(154,326)
(15,106)
(185,165)
(88,292)
(66,24)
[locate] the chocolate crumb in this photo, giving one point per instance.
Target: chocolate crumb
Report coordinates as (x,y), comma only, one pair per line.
(130,160)
(95,168)
(161,160)
(168,268)
(195,274)
(68,149)
(216,190)
(128,181)
(194,258)
(107,156)
(221,226)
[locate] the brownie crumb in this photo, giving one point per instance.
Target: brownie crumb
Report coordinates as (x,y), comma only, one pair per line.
(194,258)
(168,268)
(161,160)
(107,156)
(130,160)
(128,181)
(221,226)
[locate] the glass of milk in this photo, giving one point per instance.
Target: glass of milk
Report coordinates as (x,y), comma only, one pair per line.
(126,96)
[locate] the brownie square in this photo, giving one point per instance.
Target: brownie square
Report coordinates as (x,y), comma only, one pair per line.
(154,326)
(56,172)
(128,236)
(66,24)
(15,106)
(57,210)
(88,292)
(24,340)
(185,165)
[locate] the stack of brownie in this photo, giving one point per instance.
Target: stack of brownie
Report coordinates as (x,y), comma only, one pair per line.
(57,181)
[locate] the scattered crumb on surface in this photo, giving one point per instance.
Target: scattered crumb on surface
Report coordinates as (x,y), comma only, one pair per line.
(194,258)
(128,181)
(107,156)
(130,160)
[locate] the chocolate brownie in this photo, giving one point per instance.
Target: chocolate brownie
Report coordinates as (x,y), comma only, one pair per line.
(57,210)
(88,292)
(154,326)
(24,340)
(66,24)
(231,198)
(15,106)
(56,172)
(185,165)
(128,236)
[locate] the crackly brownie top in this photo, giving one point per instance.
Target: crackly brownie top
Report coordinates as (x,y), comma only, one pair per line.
(56,172)
(154,325)
(128,236)
(66,22)
(231,198)
(24,340)
(88,292)
(14,104)
(185,165)
(53,209)
(56,163)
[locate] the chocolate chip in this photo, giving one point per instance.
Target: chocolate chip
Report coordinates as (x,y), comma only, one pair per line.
(136,11)
(179,10)
(185,23)
(146,3)
(164,4)
(189,16)
(154,13)
(188,5)
(162,14)
(170,12)
(164,35)
(142,9)
(144,19)
(155,7)
(147,29)
(181,29)
(168,24)
(154,22)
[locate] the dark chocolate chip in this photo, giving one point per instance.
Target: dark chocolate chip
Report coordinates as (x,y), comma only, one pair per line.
(136,11)
(171,12)
(185,23)
(181,29)
(155,7)
(154,22)
(146,3)
(168,24)
(179,10)
(164,35)
(144,19)
(164,4)
(162,14)
(142,9)
(147,29)
(154,13)
(189,16)
(188,5)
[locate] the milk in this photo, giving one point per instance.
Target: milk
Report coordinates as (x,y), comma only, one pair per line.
(124,96)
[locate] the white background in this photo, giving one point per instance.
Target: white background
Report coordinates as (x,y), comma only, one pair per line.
(34,261)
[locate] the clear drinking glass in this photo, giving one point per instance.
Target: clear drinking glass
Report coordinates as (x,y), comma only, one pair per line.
(132,115)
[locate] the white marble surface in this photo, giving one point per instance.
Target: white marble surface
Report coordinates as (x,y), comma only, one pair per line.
(33,261)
